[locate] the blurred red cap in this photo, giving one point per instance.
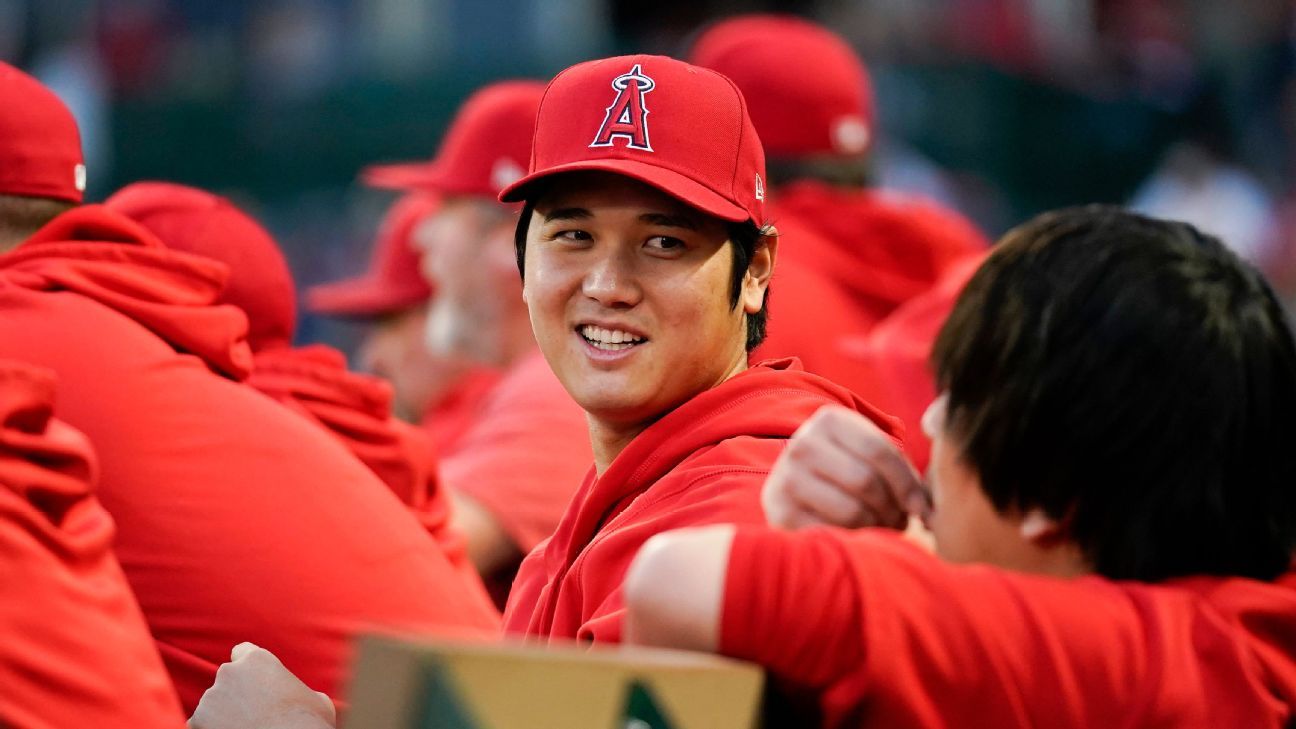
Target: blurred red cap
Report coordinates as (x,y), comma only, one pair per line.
(681,129)
(393,281)
(40,146)
(195,221)
(807,90)
(486,147)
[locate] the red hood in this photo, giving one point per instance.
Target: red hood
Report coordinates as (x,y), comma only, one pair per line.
(318,373)
(106,257)
(769,400)
(882,247)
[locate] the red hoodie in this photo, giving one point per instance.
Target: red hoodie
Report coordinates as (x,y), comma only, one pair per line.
(702,463)
(880,248)
(236,519)
(896,355)
(314,382)
(75,650)
(868,630)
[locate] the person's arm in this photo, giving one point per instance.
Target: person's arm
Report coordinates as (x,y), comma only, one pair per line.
(674,590)
(490,547)
(255,691)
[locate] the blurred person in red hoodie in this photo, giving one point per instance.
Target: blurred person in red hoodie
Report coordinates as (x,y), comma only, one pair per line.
(312,380)
(518,461)
(645,262)
(74,648)
(391,299)
(852,253)
(235,518)
(1112,507)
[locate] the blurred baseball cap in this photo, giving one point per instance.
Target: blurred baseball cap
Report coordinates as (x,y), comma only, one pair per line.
(393,281)
(807,90)
(486,147)
(40,146)
(196,221)
(676,127)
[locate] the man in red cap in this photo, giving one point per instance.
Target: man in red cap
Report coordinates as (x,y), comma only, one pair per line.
(519,461)
(645,261)
(74,649)
(311,380)
(871,250)
(236,518)
(391,297)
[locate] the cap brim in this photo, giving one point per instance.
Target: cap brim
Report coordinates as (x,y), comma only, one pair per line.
(404,176)
(362,297)
(677,185)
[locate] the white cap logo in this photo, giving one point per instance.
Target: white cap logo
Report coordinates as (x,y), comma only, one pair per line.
(760,188)
(851,135)
(505,173)
(80,178)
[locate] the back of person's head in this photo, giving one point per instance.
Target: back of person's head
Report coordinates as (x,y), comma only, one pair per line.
(808,93)
(42,171)
(195,221)
(1136,381)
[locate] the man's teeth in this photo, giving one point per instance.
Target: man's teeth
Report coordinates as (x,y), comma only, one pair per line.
(611,339)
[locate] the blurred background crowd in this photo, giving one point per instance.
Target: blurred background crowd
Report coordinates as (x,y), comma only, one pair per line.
(1000,108)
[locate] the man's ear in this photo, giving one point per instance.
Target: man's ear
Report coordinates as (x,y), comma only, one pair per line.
(759,271)
(1040,529)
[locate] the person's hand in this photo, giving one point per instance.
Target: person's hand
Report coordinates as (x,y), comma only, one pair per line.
(255,691)
(840,469)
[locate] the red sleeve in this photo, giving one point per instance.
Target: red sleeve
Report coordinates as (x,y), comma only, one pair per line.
(525,455)
(75,649)
(800,591)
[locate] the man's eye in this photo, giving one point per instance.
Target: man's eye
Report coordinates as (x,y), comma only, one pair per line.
(665,243)
(572,235)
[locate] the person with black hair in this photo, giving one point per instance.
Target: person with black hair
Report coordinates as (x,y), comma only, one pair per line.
(1112,491)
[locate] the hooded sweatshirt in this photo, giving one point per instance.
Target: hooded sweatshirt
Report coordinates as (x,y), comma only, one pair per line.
(863,629)
(237,520)
(76,651)
(702,463)
(896,355)
(879,248)
(314,382)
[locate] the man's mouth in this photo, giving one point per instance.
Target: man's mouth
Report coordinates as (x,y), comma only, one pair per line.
(609,340)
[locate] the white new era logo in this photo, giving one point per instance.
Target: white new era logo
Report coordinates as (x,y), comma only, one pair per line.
(760,188)
(80,178)
(505,173)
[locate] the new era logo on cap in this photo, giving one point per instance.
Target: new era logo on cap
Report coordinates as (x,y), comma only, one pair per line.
(699,146)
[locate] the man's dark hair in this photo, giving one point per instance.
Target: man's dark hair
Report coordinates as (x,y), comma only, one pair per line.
(745,238)
(1135,380)
(20,217)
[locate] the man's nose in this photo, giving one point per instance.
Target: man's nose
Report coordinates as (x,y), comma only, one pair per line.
(612,280)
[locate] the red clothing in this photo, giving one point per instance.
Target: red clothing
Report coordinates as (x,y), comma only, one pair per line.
(809,316)
(447,419)
(880,248)
(877,632)
(236,519)
(896,355)
(525,453)
(702,463)
(74,649)
(314,382)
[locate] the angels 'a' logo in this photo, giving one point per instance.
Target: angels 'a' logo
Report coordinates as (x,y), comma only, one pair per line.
(627,117)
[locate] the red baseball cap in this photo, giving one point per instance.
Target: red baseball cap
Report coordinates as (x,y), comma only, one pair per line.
(485,149)
(393,281)
(679,128)
(807,90)
(195,221)
(40,146)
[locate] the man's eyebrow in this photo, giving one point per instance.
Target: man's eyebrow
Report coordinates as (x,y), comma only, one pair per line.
(671,221)
(567,214)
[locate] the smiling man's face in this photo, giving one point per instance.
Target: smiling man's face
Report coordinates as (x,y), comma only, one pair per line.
(629,294)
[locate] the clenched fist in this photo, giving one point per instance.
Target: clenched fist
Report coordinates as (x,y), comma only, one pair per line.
(255,691)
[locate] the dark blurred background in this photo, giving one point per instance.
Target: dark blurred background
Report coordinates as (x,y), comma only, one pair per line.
(1001,108)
